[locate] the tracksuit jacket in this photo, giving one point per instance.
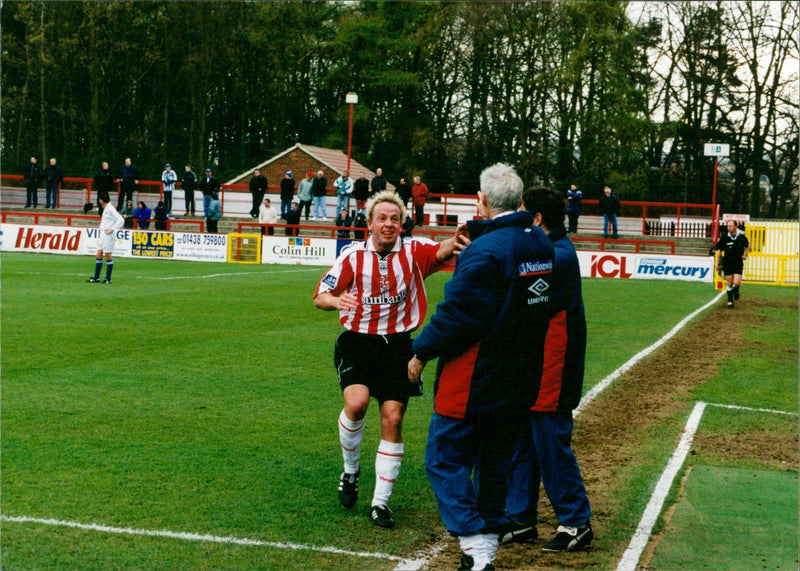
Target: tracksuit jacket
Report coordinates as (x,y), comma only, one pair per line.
(565,343)
(490,329)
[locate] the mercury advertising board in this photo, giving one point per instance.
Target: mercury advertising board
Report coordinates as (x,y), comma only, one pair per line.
(646,266)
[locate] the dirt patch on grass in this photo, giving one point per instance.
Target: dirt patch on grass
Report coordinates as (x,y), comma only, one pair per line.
(617,421)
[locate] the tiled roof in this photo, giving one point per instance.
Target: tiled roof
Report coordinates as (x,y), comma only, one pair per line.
(332,158)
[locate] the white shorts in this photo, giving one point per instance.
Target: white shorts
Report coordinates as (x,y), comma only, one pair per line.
(106,242)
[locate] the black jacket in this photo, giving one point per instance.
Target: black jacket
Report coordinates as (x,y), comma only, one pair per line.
(53,173)
(287,189)
(258,184)
(208,185)
(103,181)
(319,187)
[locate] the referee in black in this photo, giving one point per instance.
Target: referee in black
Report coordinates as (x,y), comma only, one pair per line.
(734,248)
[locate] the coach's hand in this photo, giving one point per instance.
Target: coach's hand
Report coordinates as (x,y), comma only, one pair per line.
(415,367)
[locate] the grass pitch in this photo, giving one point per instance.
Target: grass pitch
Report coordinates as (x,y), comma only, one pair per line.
(201,398)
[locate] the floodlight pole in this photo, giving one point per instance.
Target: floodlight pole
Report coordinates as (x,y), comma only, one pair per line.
(352,99)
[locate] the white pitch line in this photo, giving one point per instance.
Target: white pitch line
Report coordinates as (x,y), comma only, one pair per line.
(222,275)
(196,537)
(602,385)
(752,409)
(630,559)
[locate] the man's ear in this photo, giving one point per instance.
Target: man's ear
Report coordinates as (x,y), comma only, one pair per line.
(537,219)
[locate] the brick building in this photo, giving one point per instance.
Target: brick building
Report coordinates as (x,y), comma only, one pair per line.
(303,158)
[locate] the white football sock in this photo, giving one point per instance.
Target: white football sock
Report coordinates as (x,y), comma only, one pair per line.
(387,467)
(482,547)
(350,435)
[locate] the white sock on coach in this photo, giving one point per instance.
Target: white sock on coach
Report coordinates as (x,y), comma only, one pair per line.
(350,435)
(482,547)
(387,467)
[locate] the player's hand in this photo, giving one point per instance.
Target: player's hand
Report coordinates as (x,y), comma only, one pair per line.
(453,246)
(415,367)
(109,231)
(346,302)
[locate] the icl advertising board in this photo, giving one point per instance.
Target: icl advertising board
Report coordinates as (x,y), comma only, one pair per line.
(646,266)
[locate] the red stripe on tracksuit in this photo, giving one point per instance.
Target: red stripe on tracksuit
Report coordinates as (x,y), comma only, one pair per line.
(455,383)
(555,352)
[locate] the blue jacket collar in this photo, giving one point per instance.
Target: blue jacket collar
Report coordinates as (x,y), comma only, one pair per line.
(519,218)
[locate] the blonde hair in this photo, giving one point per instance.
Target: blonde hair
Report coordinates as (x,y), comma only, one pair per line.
(386,196)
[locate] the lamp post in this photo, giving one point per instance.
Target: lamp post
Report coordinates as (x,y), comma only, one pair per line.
(352,99)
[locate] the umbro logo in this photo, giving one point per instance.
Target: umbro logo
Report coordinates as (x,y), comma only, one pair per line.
(539,287)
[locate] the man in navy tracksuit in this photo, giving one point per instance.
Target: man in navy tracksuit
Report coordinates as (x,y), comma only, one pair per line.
(489,336)
(545,450)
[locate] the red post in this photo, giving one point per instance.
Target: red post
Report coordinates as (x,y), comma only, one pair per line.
(349,137)
(715,210)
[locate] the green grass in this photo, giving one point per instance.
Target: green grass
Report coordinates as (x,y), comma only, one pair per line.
(750,526)
(201,398)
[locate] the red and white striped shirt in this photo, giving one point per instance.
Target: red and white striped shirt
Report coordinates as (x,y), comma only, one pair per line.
(390,289)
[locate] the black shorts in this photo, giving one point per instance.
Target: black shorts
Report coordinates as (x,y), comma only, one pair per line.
(380,362)
(732,266)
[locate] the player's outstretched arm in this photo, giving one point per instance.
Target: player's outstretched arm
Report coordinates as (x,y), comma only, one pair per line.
(330,302)
(453,246)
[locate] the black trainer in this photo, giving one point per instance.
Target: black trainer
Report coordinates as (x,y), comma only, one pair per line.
(381,516)
(93,281)
(730,305)
(570,538)
(515,532)
(348,489)
(467,564)
(106,281)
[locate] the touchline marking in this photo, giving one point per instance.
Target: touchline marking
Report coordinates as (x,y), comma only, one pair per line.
(751,409)
(210,276)
(630,559)
(196,537)
(602,385)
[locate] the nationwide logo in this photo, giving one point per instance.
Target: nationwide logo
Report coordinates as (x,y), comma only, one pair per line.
(537,267)
(539,287)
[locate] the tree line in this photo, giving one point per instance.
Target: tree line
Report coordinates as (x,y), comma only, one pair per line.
(590,93)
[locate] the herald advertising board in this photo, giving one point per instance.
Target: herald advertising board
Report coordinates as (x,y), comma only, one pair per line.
(646,266)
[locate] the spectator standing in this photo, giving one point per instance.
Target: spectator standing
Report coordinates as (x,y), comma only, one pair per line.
(489,335)
(574,196)
(53,175)
(403,190)
(209,187)
(214,213)
(734,247)
(344,222)
(292,217)
(168,179)
(128,214)
(287,192)
(129,178)
(377,288)
(143,215)
(419,194)
(361,194)
(31,176)
(344,188)
(188,184)
(161,215)
(544,451)
(609,206)
(304,194)
(110,222)
(258,188)
(267,215)
(103,182)
(319,188)
(378,182)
